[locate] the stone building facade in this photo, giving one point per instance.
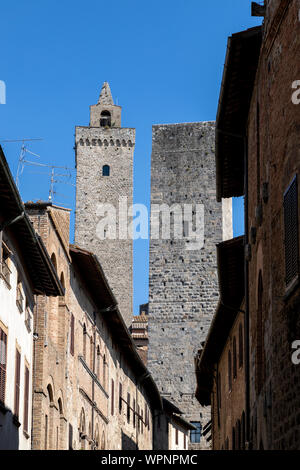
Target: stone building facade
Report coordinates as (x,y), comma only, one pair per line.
(104,162)
(25,271)
(260,103)
(183,286)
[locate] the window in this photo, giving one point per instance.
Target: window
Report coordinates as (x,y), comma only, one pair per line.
(241,346)
(17,383)
(72,335)
(112,397)
(3,354)
(290,206)
(6,272)
(238,427)
(195,436)
(20,298)
(176,437)
(105,170)
(234,358)
(28,317)
(105,120)
(229,372)
(128,407)
(26,399)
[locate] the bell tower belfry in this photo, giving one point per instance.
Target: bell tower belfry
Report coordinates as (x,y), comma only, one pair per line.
(105,113)
(104,162)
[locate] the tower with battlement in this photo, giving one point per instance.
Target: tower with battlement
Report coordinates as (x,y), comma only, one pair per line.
(104,162)
(183,283)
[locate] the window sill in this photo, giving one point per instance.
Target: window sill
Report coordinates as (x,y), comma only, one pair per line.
(290,289)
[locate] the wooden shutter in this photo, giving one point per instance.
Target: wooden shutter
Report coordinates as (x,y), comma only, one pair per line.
(3,357)
(291,232)
(112,397)
(26,399)
(17,383)
(72,335)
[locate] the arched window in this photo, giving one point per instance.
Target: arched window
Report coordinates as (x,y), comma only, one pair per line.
(84,342)
(241,346)
(234,358)
(105,170)
(259,336)
(105,120)
(229,371)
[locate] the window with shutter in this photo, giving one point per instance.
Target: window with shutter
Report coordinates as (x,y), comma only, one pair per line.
(26,399)
(3,356)
(290,206)
(17,383)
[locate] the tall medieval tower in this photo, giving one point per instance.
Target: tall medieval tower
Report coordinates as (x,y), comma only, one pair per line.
(104,162)
(183,283)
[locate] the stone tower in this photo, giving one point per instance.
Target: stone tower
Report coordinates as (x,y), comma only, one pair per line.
(104,162)
(183,286)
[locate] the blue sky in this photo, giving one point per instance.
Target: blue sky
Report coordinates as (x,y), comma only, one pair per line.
(164,62)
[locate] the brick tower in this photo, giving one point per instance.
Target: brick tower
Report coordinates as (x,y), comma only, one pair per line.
(104,162)
(183,285)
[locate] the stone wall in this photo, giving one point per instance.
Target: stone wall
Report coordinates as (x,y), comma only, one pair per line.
(274,160)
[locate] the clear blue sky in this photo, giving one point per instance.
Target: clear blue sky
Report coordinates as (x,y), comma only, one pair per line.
(164,62)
